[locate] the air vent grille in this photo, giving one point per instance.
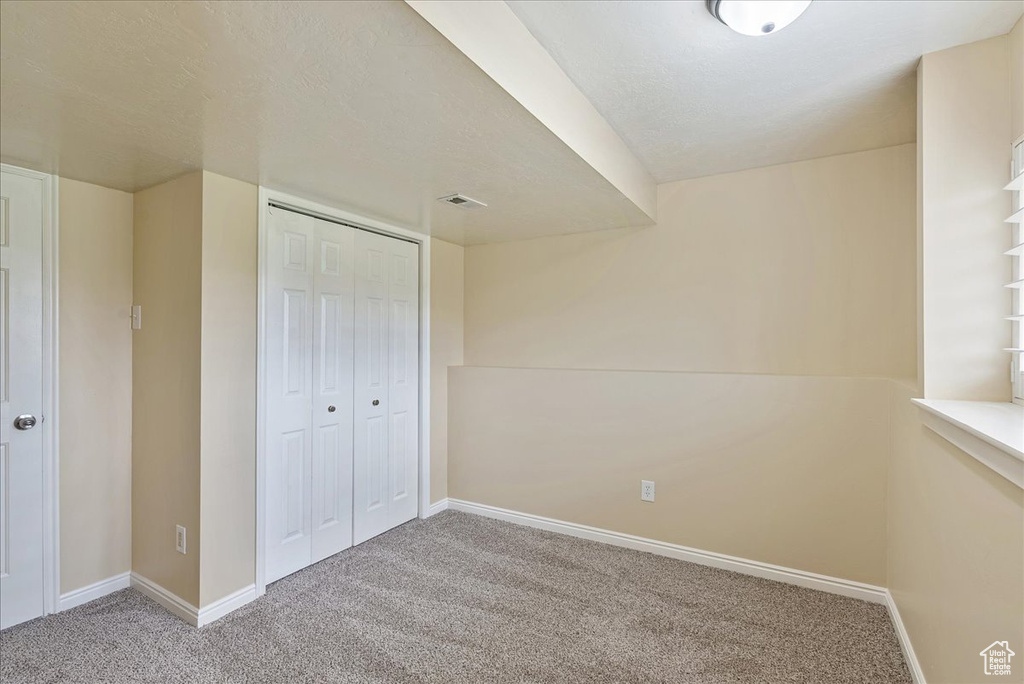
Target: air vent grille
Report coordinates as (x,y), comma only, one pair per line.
(461,201)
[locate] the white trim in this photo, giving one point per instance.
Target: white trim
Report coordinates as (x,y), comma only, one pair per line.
(51,383)
(909,657)
(170,601)
(51,396)
(197,617)
(800,578)
(95,590)
(267,195)
(437,507)
(221,607)
(424,470)
(988,431)
(261,388)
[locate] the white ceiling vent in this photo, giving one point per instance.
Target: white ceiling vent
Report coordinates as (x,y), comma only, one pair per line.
(462,201)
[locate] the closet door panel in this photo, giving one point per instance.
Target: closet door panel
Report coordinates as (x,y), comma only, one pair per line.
(371,391)
(289,377)
(403,381)
(332,410)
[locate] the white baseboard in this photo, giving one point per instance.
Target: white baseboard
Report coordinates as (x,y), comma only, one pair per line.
(810,580)
(185,610)
(916,673)
(437,507)
(231,602)
(171,602)
(94,591)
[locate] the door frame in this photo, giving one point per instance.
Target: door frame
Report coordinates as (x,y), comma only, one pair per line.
(51,383)
(287,200)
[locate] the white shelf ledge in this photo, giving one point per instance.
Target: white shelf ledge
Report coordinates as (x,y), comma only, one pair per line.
(992,432)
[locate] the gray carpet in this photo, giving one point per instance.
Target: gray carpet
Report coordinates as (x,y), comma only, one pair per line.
(460,598)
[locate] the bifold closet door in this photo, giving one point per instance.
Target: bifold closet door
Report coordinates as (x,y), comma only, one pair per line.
(309,337)
(332,389)
(386,383)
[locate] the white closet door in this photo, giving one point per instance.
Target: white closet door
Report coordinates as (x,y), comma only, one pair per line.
(403,381)
(332,392)
(386,383)
(289,335)
(309,371)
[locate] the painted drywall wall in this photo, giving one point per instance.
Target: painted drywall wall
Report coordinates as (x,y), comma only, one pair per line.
(1016,65)
(803,269)
(166,353)
(964,136)
(446,334)
(95,352)
(785,470)
(228,420)
(956,548)
(580,352)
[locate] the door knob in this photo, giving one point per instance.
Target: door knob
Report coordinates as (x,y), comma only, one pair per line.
(331,409)
(25,422)
(376,402)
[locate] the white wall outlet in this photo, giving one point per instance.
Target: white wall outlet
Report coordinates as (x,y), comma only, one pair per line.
(179,539)
(647,490)
(136,317)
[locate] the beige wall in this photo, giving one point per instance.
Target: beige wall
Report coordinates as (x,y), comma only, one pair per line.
(956,548)
(228,421)
(785,470)
(762,279)
(964,134)
(803,269)
(1016,52)
(446,334)
(95,356)
(166,383)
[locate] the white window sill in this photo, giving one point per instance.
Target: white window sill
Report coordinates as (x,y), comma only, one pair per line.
(992,432)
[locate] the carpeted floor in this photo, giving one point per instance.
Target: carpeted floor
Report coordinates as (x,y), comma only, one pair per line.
(460,598)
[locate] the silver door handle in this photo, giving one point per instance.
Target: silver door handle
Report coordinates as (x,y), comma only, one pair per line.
(25,421)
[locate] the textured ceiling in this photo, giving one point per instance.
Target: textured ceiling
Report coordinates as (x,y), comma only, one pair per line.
(692,98)
(362,105)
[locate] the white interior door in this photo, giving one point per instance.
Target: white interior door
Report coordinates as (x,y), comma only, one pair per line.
(309,391)
(21,394)
(342,388)
(332,391)
(386,383)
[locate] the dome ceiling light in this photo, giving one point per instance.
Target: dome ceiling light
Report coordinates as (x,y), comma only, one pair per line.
(757,17)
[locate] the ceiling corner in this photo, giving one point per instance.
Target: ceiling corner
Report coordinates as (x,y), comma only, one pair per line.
(494,39)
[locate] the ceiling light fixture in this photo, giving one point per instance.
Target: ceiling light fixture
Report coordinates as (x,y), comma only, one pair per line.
(757,17)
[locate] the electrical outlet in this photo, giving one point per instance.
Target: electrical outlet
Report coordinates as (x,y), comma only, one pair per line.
(647,490)
(179,539)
